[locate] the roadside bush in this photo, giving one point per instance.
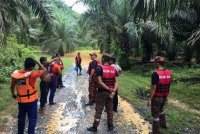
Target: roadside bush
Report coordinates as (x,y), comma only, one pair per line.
(11,58)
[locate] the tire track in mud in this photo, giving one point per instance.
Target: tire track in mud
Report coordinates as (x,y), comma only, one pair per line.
(70,116)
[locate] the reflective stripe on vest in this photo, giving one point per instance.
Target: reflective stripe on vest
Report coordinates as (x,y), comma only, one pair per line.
(108,77)
(163,85)
(25,92)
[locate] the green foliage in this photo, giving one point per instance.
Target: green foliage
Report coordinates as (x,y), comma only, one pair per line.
(134,86)
(61,50)
(12,57)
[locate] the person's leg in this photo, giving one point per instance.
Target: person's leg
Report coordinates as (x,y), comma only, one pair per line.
(44,86)
(95,88)
(91,91)
(61,82)
(58,82)
(80,68)
(42,94)
(32,116)
(52,90)
(155,109)
(109,110)
(100,103)
(21,118)
(162,114)
(115,102)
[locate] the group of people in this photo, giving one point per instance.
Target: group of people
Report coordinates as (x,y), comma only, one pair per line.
(23,88)
(103,89)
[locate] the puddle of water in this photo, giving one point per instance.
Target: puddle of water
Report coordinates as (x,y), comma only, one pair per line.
(132,117)
(55,119)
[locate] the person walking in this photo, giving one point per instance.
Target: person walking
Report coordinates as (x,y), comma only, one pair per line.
(119,72)
(107,87)
(160,81)
(23,88)
(78,61)
(55,72)
(92,78)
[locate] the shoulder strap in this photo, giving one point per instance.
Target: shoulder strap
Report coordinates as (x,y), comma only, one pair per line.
(19,74)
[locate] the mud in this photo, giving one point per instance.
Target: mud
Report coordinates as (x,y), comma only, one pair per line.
(70,116)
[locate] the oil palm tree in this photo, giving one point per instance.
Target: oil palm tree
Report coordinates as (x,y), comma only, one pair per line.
(62,35)
(14,11)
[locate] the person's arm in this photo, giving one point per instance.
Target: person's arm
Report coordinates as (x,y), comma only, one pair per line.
(153,90)
(120,71)
(12,88)
(45,76)
(101,83)
(94,66)
(92,72)
(41,67)
(154,80)
(53,60)
(62,64)
(116,84)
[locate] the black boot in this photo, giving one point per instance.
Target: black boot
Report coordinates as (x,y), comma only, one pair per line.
(92,129)
(163,121)
(110,127)
(156,127)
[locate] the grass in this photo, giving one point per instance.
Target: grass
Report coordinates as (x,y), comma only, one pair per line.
(135,84)
(8,106)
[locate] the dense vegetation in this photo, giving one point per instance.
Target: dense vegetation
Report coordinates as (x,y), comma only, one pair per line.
(138,28)
(133,30)
(48,26)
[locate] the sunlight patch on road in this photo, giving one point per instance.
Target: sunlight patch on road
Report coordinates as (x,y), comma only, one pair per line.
(60,122)
(130,116)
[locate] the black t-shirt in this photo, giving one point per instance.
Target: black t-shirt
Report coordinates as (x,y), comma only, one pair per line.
(154,78)
(94,64)
(99,71)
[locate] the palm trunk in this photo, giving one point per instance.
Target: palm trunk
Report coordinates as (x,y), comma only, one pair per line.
(198,54)
(124,59)
(188,52)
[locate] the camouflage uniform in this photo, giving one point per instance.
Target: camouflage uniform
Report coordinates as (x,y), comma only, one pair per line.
(93,82)
(157,110)
(92,89)
(103,99)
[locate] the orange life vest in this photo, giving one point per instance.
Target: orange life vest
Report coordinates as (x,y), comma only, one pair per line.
(25,92)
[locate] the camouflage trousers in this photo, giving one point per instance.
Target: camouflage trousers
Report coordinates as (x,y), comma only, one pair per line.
(157,111)
(92,89)
(103,100)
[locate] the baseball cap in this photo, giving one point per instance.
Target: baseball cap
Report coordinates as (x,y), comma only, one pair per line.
(158,59)
(93,54)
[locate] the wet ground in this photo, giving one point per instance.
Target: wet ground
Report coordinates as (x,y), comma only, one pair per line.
(70,116)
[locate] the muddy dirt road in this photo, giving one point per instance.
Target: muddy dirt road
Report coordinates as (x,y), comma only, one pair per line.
(70,116)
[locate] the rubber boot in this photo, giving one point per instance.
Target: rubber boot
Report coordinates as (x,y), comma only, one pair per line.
(110,127)
(163,121)
(156,127)
(92,129)
(42,111)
